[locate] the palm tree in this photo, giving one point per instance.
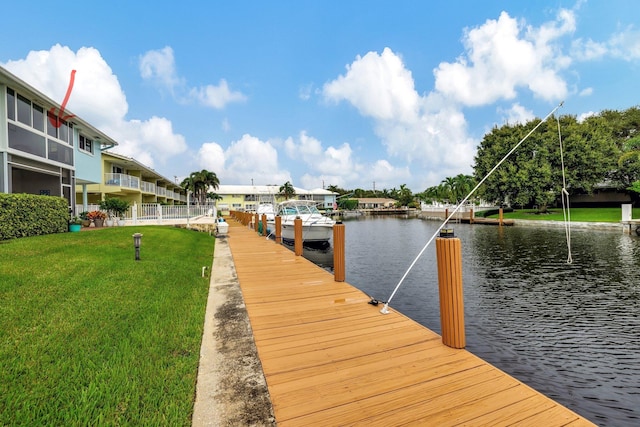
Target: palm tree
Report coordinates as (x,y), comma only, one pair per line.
(200,183)
(287,190)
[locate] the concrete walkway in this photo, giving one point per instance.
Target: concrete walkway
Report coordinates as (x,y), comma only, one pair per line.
(231,389)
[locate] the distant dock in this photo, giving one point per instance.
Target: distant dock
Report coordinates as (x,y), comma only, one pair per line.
(330,358)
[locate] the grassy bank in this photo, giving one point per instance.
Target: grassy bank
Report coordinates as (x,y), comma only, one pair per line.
(577,214)
(89,336)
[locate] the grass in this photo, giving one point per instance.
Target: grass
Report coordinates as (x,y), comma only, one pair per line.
(89,336)
(577,214)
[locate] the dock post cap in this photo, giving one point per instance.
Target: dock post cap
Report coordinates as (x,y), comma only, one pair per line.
(447,232)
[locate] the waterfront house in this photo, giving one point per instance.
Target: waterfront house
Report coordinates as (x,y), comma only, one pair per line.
(40,151)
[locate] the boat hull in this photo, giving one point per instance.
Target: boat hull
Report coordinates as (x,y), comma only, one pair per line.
(310,233)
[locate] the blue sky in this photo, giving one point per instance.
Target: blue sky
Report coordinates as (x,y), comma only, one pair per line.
(351,93)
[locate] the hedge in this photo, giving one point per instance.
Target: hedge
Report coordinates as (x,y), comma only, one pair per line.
(23,215)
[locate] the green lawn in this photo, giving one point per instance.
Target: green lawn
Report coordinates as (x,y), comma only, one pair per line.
(89,336)
(577,214)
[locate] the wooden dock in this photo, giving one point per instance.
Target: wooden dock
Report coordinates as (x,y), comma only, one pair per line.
(332,359)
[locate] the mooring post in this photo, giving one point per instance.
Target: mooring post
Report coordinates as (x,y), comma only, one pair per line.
(338,252)
(256,220)
(448,254)
(500,216)
(278,229)
(264,224)
(470,215)
(297,235)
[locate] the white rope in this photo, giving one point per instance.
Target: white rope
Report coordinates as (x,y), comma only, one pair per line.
(566,211)
(385,309)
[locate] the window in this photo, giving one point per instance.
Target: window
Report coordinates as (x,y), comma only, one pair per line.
(27,141)
(63,131)
(117,169)
(24,110)
(52,131)
(11,104)
(85,144)
(38,117)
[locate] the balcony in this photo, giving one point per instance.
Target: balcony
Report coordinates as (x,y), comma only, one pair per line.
(147,187)
(122,180)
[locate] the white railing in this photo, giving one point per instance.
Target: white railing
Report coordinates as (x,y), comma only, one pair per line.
(157,213)
(147,187)
(121,180)
(161,191)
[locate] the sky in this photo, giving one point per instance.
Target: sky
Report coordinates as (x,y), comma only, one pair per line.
(358,94)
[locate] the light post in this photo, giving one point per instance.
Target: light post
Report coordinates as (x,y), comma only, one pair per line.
(137,238)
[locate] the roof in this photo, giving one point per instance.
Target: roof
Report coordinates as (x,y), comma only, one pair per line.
(374,200)
(266,189)
(132,163)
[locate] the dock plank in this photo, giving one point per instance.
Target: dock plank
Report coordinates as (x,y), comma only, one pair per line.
(329,358)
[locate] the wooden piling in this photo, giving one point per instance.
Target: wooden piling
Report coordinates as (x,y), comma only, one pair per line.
(500,216)
(264,224)
(338,252)
(471,216)
(256,220)
(297,233)
(278,229)
(448,254)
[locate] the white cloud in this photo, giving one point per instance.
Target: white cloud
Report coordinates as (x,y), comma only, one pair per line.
(379,86)
(159,66)
(501,56)
(244,160)
(623,45)
(586,91)
(216,96)
(584,116)
(98,98)
(304,92)
(517,114)
(426,130)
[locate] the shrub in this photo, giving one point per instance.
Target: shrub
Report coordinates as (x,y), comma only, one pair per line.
(23,215)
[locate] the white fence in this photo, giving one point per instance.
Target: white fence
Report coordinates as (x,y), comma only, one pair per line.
(157,213)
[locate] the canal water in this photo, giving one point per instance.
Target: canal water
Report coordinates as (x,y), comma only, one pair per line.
(571,331)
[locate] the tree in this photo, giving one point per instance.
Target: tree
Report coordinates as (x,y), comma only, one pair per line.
(200,184)
(287,190)
(405,196)
(533,174)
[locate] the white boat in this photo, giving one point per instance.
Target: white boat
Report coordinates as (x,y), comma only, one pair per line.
(266,209)
(316,228)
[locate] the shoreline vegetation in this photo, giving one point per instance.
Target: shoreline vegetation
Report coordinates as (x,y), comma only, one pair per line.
(90,336)
(612,215)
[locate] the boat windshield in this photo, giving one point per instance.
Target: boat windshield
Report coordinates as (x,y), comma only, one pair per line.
(300,210)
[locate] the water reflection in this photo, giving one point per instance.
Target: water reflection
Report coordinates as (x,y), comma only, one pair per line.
(571,331)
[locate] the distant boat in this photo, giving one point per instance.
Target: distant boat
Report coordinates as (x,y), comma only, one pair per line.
(316,228)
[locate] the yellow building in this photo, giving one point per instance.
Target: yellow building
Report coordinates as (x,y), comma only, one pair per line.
(126,178)
(248,197)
